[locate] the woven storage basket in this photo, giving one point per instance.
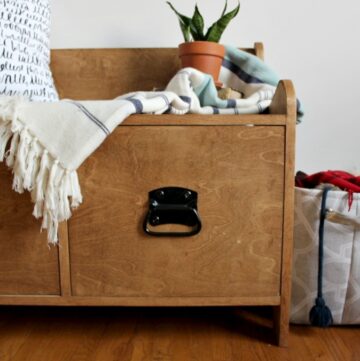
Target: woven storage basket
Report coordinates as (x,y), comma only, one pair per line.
(341,272)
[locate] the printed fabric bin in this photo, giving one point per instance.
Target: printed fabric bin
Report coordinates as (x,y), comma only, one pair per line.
(341,261)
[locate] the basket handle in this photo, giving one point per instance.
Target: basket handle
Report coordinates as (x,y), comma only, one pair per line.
(337,217)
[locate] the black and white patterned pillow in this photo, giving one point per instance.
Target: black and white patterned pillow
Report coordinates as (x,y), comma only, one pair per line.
(24,50)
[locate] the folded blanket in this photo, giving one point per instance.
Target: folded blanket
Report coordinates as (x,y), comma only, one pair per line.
(245,72)
(45,143)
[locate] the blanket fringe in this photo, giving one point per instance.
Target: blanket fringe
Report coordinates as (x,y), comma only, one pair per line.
(35,170)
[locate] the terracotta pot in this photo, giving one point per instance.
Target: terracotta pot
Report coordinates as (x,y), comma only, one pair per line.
(205,56)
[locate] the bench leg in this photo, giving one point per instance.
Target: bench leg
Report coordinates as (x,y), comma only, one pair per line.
(281,325)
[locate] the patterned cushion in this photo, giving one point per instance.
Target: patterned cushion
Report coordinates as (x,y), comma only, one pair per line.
(24,50)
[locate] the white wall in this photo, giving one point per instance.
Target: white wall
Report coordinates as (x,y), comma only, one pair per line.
(312,42)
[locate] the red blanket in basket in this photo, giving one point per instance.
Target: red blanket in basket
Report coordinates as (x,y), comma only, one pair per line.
(345,181)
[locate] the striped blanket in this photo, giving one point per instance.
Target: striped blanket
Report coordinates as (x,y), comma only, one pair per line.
(45,143)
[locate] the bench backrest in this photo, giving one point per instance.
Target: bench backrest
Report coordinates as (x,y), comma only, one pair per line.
(107,73)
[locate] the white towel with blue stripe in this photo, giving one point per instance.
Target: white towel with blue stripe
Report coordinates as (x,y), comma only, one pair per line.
(45,143)
(240,71)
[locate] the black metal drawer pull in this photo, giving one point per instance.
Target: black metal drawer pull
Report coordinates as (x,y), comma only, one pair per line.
(172,205)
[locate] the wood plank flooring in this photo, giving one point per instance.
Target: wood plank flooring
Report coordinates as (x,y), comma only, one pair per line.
(158,334)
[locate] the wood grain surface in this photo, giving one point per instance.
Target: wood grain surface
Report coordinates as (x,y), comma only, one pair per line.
(108,73)
(199,119)
(27,264)
(285,102)
(140,301)
(241,166)
(238,173)
(258,50)
(191,334)
(64,260)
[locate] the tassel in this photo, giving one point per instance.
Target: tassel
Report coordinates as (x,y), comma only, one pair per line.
(31,165)
(42,177)
(52,202)
(35,170)
(320,314)
(50,223)
(45,220)
(76,196)
(50,194)
(20,161)
(53,231)
(65,192)
(10,154)
(38,209)
(17,184)
(5,135)
(38,193)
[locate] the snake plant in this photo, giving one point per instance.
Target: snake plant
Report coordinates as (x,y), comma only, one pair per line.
(193,28)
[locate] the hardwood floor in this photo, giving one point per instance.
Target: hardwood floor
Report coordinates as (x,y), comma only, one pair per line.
(158,334)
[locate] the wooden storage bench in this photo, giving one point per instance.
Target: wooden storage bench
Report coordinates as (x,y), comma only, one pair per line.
(241,167)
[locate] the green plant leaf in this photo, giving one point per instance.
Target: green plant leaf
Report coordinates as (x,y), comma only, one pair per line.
(216,30)
(185,29)
(197,25)
(185,23)
(224,11)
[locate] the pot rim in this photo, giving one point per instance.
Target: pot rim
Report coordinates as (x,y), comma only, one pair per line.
(201,47)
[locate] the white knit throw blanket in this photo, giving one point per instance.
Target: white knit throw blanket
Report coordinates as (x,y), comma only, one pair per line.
(45,143)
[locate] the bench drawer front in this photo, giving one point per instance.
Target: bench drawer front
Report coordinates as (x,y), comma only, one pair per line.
(238,173)
(28,266)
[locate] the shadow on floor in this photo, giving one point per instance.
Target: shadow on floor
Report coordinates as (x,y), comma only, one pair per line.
(245,322)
